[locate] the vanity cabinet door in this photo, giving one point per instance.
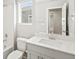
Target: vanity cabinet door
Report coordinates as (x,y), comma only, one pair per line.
(34,55)
(47,57)
(28,55)
(41,56)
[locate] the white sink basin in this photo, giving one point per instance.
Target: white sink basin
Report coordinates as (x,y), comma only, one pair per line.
(61,44)
(51,42)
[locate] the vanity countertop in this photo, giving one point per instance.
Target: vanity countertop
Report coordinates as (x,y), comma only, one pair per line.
(59,45)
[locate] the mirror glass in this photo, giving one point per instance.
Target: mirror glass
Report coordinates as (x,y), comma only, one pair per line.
(25,11)
(58,21)
(55,21)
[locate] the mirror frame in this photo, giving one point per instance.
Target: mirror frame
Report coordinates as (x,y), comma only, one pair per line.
(65,25)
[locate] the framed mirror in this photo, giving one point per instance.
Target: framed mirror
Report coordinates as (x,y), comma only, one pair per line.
(58,20)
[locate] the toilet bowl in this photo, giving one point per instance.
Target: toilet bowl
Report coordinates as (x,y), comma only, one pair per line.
(21,47)
(15,55)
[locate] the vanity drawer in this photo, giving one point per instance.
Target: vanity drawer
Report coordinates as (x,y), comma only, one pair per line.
(55,54)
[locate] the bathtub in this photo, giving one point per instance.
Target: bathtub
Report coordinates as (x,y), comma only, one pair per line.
(6,51)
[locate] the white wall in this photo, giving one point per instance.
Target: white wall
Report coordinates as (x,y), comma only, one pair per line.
(40,20)
(8,22)
(72,18)
(41,15)
(24,30)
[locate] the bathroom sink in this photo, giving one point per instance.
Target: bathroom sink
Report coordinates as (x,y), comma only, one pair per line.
(61,44)
(51,42)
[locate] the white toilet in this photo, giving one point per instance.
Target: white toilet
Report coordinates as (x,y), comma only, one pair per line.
(21,47)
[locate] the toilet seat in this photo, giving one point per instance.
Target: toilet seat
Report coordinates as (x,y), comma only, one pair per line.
(15,55)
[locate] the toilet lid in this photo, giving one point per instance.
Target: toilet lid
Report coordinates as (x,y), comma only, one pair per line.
(15,55)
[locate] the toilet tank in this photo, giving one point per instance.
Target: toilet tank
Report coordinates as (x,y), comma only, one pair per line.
(21,44)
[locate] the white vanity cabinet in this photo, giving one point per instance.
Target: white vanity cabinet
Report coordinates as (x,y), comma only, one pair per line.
(32,55)
(40,52)
(36,55)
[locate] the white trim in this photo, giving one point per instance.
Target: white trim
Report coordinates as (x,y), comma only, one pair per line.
(54,7)
(19,13)
(25,23)
(48,15)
